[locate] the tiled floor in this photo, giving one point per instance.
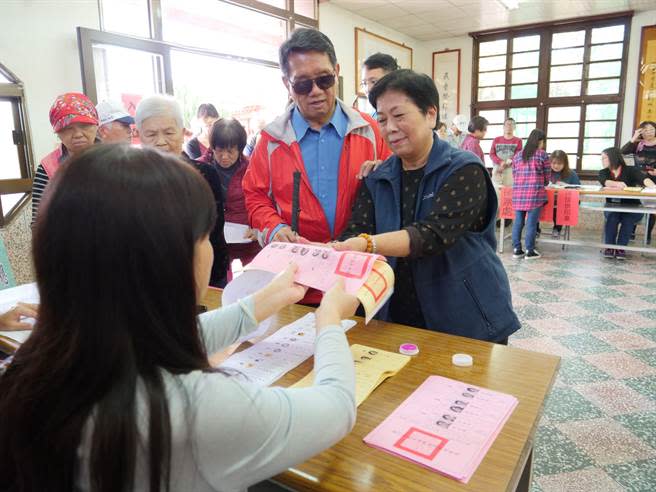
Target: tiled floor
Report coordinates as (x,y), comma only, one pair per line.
(598,432)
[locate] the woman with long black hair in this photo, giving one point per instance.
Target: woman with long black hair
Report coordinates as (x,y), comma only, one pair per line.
(113,390)
(531,174)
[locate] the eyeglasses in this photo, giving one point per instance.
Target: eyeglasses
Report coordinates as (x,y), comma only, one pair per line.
(304,87)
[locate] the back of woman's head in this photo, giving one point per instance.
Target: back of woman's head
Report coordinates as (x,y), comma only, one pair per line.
(615,157)
(533,143)
(114,257)
(227,133)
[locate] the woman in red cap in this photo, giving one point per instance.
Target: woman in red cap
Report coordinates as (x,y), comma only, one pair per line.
(75,121)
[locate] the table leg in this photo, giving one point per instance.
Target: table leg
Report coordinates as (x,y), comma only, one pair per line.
(525,480)
(502,227)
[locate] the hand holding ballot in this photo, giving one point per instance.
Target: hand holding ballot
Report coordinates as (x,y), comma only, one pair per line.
(12,320)
(366,276)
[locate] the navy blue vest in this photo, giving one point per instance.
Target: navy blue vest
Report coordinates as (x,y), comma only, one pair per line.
(463,291)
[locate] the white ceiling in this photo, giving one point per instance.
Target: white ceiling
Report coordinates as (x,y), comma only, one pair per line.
(438,19)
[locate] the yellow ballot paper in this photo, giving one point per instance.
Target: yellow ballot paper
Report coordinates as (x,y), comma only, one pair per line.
(377,289)
(372,367)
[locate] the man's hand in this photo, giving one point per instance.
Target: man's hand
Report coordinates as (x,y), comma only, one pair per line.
(367,167)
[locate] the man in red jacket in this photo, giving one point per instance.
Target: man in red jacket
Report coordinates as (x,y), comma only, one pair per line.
(318,136)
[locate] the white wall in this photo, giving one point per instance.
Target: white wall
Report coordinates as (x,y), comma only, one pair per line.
(339,25)
(38,43)
(640,19)
(466,45)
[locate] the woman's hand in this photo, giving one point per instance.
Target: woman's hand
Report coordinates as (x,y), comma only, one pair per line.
(637,135)
(336,305)
(280,292)
(351,244)
(11,320)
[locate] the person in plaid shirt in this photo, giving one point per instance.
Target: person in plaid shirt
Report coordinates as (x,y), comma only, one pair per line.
(531,173)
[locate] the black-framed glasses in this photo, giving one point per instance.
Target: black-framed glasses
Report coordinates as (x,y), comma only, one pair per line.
(304,87)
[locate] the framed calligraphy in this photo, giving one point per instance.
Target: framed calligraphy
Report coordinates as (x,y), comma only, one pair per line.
(446,74)
(646,91)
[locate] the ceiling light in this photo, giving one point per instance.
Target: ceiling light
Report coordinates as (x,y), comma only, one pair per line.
(510,4)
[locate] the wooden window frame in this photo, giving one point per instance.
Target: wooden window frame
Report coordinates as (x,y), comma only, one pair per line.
(543,101)
(14,93)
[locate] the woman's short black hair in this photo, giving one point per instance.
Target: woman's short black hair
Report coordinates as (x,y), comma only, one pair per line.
(477,123)
(419,87)
(303,40)
(227,133)
(207,110)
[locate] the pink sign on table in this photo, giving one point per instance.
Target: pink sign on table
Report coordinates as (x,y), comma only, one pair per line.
(318,266)
(445,425)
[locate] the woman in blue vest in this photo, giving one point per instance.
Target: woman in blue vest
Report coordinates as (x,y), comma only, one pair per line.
(431,208)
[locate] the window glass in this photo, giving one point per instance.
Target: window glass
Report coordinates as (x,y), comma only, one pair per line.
(494,116)
(492,63)
(565,113)
(222,27)
(600,129)
(607,34)
(526,43)
(566,72)
(528,59)
(126,17)
(562,129)
(607,69)
(603,86)
(526,91)
(606,52)
(491,93)
(306,8)
(10,168)
(491,78)
(124,74)
(524,75)
(564,89)
(255,92)
(493,47)
(569,145)
(565,56)
(596,145)
(601,111)
(567,39)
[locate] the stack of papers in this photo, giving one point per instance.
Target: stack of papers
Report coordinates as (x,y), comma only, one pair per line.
(269,360)
(633,188)
(445,425)
(649,190)
(372,367)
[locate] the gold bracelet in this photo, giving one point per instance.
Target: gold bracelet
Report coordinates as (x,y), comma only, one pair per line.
(369,239)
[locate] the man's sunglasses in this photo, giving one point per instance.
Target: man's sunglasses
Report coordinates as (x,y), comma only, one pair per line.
(304,87)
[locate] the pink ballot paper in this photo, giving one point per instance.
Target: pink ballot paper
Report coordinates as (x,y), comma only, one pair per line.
(445,425)
(366,276)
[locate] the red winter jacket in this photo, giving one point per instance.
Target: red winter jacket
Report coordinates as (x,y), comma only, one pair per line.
(268,182)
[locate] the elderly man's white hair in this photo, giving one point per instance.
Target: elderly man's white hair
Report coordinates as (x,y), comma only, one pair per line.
(158,105)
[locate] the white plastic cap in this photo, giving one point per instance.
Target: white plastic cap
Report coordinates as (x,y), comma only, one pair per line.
(462,360)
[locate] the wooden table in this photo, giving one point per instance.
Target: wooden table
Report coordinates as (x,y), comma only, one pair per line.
(600,207)
(352,465)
